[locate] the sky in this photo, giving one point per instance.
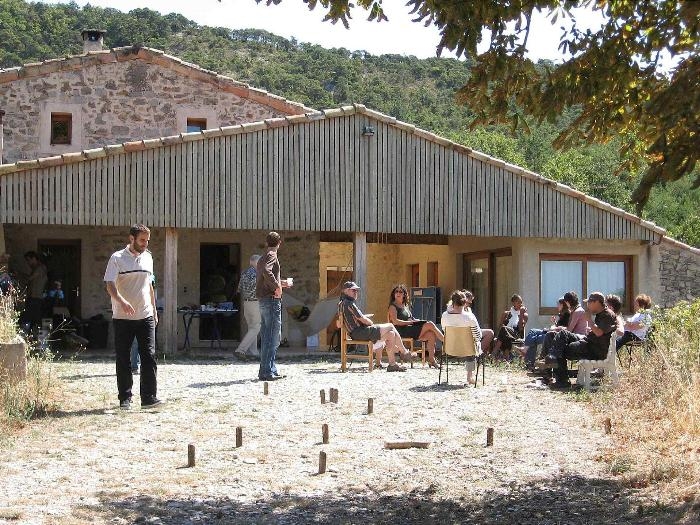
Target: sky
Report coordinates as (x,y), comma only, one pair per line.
(292,19)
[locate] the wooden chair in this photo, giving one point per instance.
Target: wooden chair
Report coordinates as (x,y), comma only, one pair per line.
(345,340)
(420,349)
(459,342)
(608,365)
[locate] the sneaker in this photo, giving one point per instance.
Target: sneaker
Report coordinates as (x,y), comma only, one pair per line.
(150,402)
(125,404)
(395,368)
(134,371)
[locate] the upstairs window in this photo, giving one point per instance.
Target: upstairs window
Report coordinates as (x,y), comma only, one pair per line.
(196,124)
(61,128)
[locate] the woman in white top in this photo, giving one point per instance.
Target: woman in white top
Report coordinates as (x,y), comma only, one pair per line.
(638,325)
(513,323)
(456,315)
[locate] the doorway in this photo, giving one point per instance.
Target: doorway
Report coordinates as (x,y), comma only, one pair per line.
(219,272)
(62,259)
(334,279)
(489,276)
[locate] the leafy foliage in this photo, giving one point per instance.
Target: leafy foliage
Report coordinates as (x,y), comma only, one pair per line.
(421,92)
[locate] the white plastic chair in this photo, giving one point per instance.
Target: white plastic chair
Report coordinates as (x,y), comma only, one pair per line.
(608,365)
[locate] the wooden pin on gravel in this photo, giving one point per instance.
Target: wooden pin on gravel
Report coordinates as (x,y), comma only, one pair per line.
(323,397)
(334,395)
(321,462)
(370,406)
(489,437)
(324,433)
(190,456)
(239,437)
(266,388)
(397,445)
(607,424)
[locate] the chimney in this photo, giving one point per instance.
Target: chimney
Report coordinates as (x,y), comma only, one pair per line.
(93,39)
(2,132)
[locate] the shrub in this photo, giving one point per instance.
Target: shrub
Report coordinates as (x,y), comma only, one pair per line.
(22,400)
(656,409)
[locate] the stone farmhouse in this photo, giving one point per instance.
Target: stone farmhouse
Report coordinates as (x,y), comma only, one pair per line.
(96,142)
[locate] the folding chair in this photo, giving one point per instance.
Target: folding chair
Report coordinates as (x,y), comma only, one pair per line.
(460,343)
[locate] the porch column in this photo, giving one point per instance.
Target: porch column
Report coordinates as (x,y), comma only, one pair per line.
(359,265)
(170,291)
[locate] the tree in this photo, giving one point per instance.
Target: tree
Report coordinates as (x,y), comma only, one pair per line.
(613,74)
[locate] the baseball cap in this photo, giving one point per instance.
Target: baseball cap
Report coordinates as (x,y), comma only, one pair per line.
(350,285)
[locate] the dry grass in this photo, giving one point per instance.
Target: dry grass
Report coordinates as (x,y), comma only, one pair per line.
(656,412)
(21,401)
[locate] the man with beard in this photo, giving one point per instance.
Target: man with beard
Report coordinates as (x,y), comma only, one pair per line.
(129,284)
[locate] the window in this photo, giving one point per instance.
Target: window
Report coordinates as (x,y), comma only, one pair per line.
(414,275)
(196,124)
(583,274)
(61,128)
(433,273)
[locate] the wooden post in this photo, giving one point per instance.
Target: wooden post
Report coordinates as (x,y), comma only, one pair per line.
(321,462)
(370,406)
(334,395)
(489,437)
(170,314)
(239,437)
(266,388)
(324,432)
(190,455)
(359,261)
(607,424)
(394,445)
(323,397)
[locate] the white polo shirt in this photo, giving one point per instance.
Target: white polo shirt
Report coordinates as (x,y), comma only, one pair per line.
(132,275)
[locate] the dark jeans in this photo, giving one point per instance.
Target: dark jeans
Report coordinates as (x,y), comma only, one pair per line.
(506,335)
(144,330)
(625,338)
(270,335)
(570,346)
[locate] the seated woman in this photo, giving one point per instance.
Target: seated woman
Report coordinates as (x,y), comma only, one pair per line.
(400,316)
(536,336)
(637,326)
(614,303)
(457,315)
(513,323)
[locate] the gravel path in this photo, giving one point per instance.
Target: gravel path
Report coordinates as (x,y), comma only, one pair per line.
(92,463)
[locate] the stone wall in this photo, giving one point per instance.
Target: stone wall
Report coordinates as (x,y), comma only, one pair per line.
(113,103)
(679,270)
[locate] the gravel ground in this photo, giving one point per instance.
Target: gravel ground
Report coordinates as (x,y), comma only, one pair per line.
(92,463)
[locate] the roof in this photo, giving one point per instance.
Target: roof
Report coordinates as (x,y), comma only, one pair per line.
(152,56)
(345,111)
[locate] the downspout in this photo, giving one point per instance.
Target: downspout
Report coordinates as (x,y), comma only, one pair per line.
(2,132)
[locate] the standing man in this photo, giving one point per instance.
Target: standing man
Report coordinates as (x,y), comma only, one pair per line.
(129,281)
(36,284)
(251,310)
(268,290)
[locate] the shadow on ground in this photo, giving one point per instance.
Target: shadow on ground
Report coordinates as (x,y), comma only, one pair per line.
(573,500)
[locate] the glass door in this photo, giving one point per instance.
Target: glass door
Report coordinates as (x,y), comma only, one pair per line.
(489,276)
(476,280)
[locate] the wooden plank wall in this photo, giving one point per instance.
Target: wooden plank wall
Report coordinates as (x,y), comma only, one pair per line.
(320,175)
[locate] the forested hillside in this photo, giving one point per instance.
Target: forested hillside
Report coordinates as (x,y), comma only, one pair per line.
(420,91)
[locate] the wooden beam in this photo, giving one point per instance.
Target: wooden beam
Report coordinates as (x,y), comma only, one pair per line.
(359,264)
(170,291)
